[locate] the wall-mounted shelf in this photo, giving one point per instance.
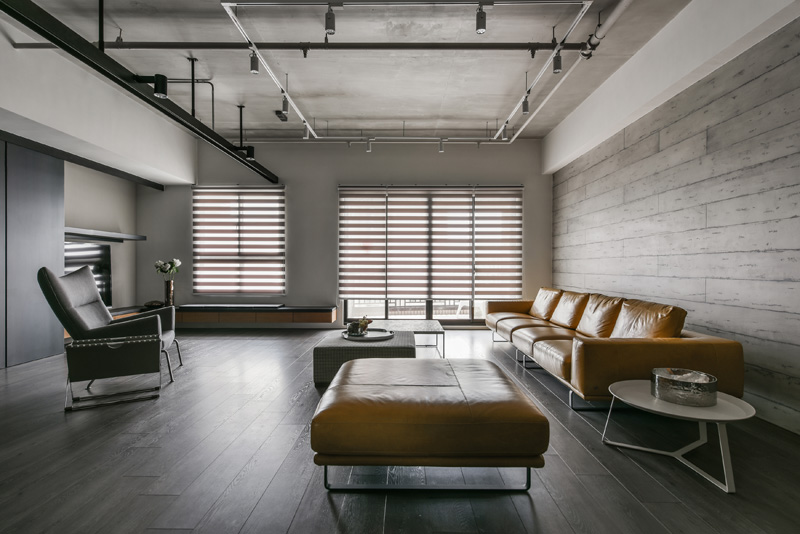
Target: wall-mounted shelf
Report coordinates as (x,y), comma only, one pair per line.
(99,235)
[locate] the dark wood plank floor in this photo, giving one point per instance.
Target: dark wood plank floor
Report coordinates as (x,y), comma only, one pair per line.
(226,450)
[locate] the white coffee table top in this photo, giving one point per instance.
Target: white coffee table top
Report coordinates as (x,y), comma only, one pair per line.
(637,394)
(418,326)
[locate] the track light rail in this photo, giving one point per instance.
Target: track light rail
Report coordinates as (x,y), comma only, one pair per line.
(307,46)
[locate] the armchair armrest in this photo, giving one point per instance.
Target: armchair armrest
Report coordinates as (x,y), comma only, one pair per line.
(167,316)
(516,306)
(136,326)
(599,362)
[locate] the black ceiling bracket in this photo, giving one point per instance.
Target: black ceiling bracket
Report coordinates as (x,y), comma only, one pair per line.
(44,24)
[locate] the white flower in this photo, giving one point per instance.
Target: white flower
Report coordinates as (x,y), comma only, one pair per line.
(177,262)
(159,263)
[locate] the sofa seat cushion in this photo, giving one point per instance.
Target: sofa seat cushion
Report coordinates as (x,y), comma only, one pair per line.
(555,357)
(507,327)
(493,318)
(641,319)
(569,309)
(419,410)
(524,338)
(545,303)
(599,316)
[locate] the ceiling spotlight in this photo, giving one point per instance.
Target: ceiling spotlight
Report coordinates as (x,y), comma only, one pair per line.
(480,20)
(369,146)
(441,147)
(305,130)
(159,82)
(250,153)
(330,21)
(505,132)
(525,106)
(285,106)
(254,63)
(160,85)
(557,62)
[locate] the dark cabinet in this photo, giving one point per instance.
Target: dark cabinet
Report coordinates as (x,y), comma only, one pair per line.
(34,237)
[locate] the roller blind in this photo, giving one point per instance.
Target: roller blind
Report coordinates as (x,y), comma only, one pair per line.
(430,243)
(239,240)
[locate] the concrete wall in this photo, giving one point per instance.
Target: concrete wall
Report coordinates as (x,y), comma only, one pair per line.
(311,174)
(97,201)
(698,204)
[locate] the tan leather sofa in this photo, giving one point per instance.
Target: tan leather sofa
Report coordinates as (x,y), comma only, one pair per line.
(589,341)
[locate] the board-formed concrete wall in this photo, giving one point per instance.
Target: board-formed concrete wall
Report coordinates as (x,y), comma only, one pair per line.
(698,204)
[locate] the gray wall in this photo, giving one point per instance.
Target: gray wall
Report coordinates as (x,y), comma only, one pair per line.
(311,174)
(698,204)
(97,201)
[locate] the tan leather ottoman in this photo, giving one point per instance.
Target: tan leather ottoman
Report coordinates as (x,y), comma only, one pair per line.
(448,413)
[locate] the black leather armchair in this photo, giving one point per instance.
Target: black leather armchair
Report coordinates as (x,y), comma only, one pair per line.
(76,302)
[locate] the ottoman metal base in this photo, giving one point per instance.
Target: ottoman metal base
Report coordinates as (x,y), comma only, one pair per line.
(418,487)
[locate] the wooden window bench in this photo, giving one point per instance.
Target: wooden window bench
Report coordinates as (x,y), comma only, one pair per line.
(253,313)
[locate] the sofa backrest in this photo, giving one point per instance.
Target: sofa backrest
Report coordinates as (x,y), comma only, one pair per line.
(545,303)
(640,319)
(600,315)
(569,309)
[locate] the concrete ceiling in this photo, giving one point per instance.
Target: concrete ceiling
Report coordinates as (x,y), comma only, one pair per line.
(436,93)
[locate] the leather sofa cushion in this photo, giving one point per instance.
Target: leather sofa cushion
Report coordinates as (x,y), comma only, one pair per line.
(426,408)
(569,309)
(545,303)
(506,328)
(640,319)
(600,315)
(524,338)
(555,357)
(493,318)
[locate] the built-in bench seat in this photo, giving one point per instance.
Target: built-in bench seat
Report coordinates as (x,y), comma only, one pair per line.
(253,313)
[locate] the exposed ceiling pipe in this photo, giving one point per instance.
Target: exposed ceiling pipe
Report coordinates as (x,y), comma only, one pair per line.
(41,22)
(602,28)
(307,46)
(209,82)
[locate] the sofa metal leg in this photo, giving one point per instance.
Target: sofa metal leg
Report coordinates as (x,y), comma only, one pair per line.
(413,487)
(586,407)
(517,356)
(531,361)
(169,366)
(496,340)
(89,385)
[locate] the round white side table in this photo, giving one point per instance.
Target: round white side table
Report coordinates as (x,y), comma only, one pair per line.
(636,393)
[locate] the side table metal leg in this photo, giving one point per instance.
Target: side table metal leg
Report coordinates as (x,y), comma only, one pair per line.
(727,466)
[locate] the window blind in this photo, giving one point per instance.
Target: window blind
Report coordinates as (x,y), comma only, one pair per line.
(239,240)
(430,243)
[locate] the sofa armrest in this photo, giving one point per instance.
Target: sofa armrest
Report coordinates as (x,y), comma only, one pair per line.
(136,326)
(516,306)
(167,316)
(598,363)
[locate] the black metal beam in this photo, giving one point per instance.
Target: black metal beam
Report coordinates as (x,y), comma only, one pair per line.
(38,20)
(212,45)
(77,160)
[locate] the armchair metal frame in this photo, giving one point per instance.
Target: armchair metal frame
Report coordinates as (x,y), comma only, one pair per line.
(95,359)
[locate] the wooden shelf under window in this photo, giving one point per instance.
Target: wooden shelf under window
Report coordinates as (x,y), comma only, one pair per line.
(254,314)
